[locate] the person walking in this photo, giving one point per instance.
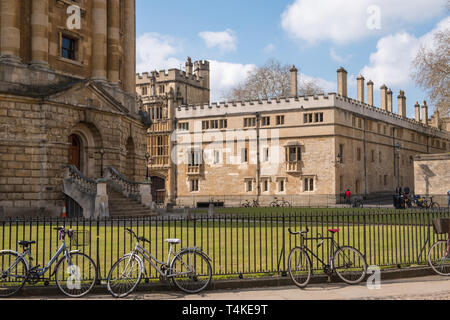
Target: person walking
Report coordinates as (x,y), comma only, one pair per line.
(347,196)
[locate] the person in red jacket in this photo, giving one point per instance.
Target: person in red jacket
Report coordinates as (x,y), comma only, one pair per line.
(347,196)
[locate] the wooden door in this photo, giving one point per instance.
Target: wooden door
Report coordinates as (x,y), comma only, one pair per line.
(75,151)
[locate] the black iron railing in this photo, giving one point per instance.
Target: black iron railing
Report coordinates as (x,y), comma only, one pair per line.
(242,243)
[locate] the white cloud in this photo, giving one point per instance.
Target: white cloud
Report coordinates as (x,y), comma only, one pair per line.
(344,21)
(224,40)
(391,63)
(338,58)
(225,75)
(156,52)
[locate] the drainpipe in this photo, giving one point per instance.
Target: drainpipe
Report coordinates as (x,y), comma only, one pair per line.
(365,157)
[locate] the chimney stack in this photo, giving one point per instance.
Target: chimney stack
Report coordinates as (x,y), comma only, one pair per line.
(383,90)
(389,100)
(360,88)
(370,93)
(425,113)
(417,109)
(189,66)
(294,82)
(342,81)
(401,104)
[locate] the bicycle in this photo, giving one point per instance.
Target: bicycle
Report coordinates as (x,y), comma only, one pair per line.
(348,263)
(75,273)
(280,203)
(246,204)
(439,252)
(190,268)
(430,204)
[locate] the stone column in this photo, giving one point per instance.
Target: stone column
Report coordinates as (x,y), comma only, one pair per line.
(146,194)
(10,30)
(101,200)
(360,88)
(99,40)
(425,113)
(402,104)
(389,100)
(417,110)
(383,91)
(113,40)
(342,81)
(294,82)
(129,52)
(39,33)
(370,93)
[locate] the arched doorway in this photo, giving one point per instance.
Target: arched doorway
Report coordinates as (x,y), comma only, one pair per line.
(75,151)
(158,189)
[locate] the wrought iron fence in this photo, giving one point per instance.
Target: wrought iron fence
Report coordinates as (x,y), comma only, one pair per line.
(245,243)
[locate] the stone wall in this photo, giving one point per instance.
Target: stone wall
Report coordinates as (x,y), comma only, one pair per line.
(432,176)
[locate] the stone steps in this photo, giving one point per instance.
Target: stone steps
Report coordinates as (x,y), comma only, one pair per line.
(120,206)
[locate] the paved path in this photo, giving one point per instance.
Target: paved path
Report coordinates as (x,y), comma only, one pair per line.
(423,288)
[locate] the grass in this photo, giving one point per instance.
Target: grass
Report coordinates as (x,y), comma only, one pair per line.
(241,244)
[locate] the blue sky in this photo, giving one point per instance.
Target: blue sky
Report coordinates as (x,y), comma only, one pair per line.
(377,38)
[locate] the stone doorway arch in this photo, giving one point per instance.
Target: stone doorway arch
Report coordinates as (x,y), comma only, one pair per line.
(84,150)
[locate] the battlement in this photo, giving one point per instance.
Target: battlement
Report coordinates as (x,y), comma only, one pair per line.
(201,64)
(168,76)
(303,103)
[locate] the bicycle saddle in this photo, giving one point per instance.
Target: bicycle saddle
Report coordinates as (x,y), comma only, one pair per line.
(24,243)
(333,230)
(173,241)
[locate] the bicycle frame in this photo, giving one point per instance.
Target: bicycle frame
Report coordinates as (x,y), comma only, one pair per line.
(42,271)
(139,249)
(334,245)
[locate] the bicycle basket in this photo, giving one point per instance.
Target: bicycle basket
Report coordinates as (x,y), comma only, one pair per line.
(80,238)
(441,226)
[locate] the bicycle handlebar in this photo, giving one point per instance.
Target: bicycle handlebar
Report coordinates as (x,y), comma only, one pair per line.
(134,235)
(298,232)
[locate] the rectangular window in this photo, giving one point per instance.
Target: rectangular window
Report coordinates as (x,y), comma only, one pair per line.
(249,122)
(373,155)
(68,47)
(280,120)
(223,123)
(341,153)
(184,126)
(205,125)
(194,185)
(216,156)
(309,184)
(281,186)
(195,158)
(294,154)
(265,186)
(249,186)
(379,156)
(265,121)
(358,154)
(144,91)
(244,155)
(266,154)
(214,124)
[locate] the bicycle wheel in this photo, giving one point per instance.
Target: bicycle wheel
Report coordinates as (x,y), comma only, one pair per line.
(439,257)
(124,276)
(350,265)
(299,267)
(75,278)
(13,273)
(191,271)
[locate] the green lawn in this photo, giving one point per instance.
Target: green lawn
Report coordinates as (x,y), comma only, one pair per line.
(248,244)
